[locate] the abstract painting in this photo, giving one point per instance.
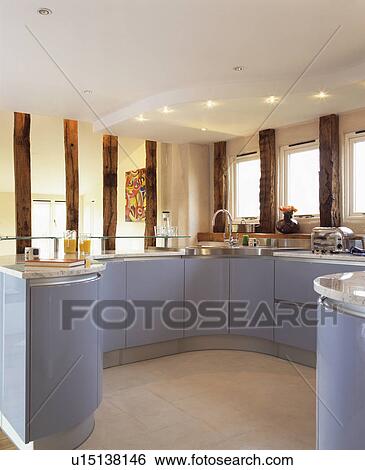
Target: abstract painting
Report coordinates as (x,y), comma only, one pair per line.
(135,195)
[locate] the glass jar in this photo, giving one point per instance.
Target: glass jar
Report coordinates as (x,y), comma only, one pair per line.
(70,241)
(85,243)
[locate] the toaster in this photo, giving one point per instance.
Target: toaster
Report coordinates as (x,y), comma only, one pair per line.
(332,239)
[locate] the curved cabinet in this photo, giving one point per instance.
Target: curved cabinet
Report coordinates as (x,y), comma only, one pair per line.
(252,282)
(113,287)
(340,379)
(207,279)
(154,281)
(65,364)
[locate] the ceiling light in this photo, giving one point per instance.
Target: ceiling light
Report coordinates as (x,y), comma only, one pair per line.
(272,100)
(141,118)
(210,104)
(203,129)
(166,110)
(238,68)
(45,11)
(87,92)
(322,95)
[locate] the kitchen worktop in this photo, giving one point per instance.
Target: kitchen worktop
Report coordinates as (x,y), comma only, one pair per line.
(14,265)
(347,288)
(307,254)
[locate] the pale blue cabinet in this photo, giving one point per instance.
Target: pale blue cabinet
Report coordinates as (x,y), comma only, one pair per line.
(112,295)
(340,380)
(65,368)
(206,279)
(151,282)
(252,297)
(13,353)
(295,300)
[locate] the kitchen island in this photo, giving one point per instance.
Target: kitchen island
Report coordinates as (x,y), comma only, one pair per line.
(51,377)
(50,382)
(341,361)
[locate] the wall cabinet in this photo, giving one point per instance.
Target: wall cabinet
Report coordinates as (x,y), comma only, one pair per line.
(252,281)
(154,280)
(207,279)
(113,288)
(65,364)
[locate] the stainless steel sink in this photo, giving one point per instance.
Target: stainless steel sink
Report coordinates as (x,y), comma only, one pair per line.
(233,251)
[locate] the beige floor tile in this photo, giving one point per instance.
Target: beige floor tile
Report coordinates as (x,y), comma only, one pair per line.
(207,399)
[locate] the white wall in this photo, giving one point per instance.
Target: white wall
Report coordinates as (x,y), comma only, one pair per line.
(185,173)
(348,122)
(189,202)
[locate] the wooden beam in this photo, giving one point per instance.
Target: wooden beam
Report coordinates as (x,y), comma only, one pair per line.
(329,174)
(151,192)
(23,195)
(267,181)
(71,142)
(220,184)
(110,188)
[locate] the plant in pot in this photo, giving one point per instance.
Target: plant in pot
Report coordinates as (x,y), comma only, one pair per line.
(288,224)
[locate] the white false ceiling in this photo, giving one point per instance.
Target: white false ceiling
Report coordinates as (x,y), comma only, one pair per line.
(138,56)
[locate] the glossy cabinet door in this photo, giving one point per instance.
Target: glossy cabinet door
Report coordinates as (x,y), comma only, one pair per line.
(207,279)
(294,279)
(113,288)
(296,299)
(252,282)
(296,325)
(340,380)
(64,363)
(154,281)
(13,354)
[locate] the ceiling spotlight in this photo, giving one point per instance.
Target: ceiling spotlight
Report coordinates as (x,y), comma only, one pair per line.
(322,95)
(141,118)
(45,11)
(203,129)
(238,68)
(272,100)
(210,104)
(87,92)
(166,110)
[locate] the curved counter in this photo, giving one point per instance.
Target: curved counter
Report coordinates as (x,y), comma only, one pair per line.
(341,361)
(50,382)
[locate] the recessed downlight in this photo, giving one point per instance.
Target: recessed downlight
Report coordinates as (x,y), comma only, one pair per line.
(87,92)
(45,11)
(210,104)
(203,129)
(141,118)
(166,110)
(272,99)
(238,68)
(322,95)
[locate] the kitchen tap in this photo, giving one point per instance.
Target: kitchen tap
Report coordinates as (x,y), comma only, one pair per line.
(231,240)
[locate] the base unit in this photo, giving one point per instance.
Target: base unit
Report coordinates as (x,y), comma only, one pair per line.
(340,378)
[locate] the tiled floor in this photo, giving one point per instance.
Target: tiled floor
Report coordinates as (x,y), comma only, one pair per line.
(207,400)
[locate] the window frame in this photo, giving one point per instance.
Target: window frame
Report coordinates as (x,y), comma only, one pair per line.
(283,171)
(52,202)
(348,182)
(254,155)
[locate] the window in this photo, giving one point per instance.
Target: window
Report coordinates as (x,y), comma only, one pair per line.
(247,187)
(48,220)
(299,177)
(354,171)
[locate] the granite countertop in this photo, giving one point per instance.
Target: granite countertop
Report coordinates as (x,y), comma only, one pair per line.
(347,288)
(14,265)
(319,256)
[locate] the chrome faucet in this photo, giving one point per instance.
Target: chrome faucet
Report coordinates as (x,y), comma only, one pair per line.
(231,240)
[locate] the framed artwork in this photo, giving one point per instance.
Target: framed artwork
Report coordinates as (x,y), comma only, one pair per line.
(135,195)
